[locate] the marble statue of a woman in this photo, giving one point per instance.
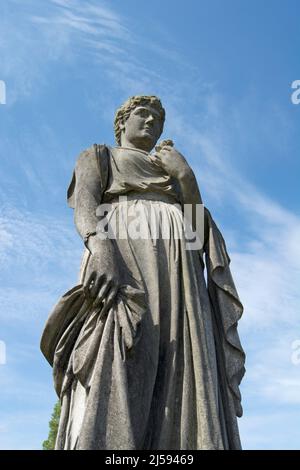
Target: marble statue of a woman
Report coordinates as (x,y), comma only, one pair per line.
(145,349)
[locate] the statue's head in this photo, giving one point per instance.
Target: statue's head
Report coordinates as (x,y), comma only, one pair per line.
(139,122)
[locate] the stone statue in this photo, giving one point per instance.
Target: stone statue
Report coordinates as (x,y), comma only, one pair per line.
(145,349)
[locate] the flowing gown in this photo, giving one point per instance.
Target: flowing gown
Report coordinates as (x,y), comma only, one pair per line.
(161,370)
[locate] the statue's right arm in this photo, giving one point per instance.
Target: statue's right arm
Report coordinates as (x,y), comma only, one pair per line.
(102,277)
(88,194)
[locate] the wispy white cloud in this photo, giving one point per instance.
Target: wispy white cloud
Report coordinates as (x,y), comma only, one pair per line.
(98,23)
(34,240)
(51,32)
(264,245)
(39,257)
(87,33)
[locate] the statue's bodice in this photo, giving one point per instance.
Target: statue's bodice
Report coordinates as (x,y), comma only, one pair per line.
(133,170)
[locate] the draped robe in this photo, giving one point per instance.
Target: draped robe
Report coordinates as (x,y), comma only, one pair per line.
(162,369)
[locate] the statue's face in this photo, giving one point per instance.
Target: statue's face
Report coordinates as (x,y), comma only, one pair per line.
(142,129)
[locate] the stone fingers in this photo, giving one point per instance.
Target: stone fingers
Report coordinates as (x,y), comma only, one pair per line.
(102,292)
(110,297)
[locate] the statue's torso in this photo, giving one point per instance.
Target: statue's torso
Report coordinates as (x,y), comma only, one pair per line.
(133,171)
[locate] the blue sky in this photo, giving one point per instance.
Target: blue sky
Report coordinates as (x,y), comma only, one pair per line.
(223,69)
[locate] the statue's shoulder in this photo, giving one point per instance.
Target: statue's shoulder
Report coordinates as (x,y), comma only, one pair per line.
(92,152)
(91,169)
(96,157)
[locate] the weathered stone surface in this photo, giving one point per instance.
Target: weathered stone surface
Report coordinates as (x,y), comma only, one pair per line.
(145,353)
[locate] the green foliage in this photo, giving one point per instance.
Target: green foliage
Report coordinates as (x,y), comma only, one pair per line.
(49,444)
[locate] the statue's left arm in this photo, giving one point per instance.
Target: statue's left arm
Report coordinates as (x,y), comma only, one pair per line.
(176,166)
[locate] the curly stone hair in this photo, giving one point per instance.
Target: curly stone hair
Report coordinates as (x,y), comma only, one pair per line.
(124,111)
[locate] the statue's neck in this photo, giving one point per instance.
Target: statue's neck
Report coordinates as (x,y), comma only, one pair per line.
(134,149)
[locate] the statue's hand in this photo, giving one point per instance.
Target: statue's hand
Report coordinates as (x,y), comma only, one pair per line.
(172,161)
(102,277)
